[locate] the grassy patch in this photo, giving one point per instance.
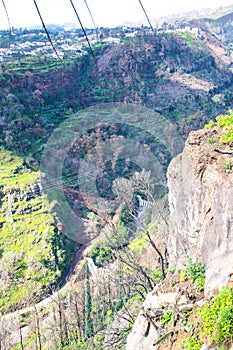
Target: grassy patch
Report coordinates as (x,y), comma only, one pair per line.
(34,255)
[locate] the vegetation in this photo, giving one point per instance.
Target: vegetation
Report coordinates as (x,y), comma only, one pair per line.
(34,255)
(39,93)
(227,165)
(36,96)
(88,306)
(214,324)
(166,318)
(195,271)
(225,122)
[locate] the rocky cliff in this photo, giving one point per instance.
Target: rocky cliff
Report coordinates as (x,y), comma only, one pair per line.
(200,184)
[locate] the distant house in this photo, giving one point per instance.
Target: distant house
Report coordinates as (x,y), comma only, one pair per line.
(131,35)
(197,32)
(112,40)
(194,30)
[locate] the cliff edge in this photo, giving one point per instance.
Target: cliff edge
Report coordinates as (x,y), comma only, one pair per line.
(200,182)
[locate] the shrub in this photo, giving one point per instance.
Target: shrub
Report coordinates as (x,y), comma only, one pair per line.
(200,283)
(217,318)
(195,270)
(210,125)
(183,276)
(228,136)
(101,254)
(224,121)
(214,323)
(227,165)
(191,343)
(166,318)
(211,140)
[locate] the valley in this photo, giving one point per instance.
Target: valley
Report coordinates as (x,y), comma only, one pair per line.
(80,142)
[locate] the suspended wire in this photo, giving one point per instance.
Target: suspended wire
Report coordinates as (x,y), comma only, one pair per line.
(92,18)
(71,180)
(84,31)
(80,22)
(45,29)
(8,18)
(148,20)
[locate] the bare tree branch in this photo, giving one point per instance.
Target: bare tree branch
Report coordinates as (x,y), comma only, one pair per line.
(223,152)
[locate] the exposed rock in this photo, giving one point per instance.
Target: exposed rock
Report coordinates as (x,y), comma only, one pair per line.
(201,208)
(144,332)
(148,332)
(201,228)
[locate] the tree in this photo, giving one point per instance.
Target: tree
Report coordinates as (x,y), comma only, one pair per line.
(126,189)
(88,309)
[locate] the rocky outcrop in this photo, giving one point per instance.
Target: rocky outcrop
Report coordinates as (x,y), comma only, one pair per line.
(200,182)
(150,330)
(201,206)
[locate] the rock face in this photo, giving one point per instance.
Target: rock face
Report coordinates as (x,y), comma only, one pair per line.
(201,207)
(148,331)
(201,227)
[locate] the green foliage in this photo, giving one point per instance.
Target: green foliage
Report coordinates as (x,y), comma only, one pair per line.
(195,270)
(227,165)
(157,275)
(228,136)
(138,244)
(210,125)
(34,255)
(217,318)
(224,121)
(211,140)
(77,345)
(110,317)
(101,253)
(183,275)
(190,39)
(166,318)
(96,343)
(200,283)
(126,217)
(214,324)
(88,308)
(191,343)
(173,282)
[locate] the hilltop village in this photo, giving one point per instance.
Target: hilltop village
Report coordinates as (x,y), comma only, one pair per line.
(71,42)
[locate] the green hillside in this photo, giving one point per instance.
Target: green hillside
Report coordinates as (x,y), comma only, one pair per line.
(34,255)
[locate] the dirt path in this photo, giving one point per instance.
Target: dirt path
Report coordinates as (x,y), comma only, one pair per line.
(9,323)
